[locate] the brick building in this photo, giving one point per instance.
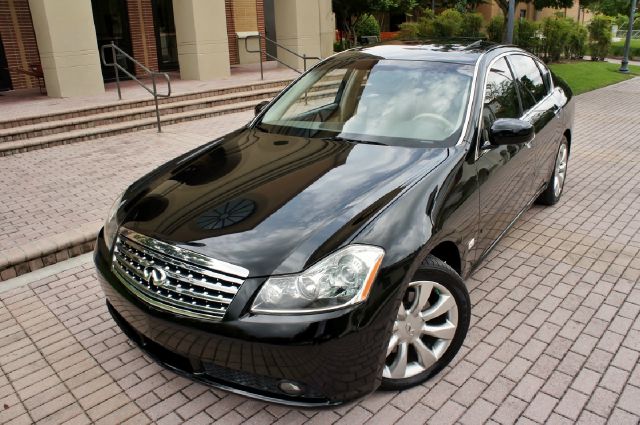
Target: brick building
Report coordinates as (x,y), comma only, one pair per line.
(201,39)
(528,11)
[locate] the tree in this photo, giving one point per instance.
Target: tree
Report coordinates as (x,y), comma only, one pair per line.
(350,13)
(608,7)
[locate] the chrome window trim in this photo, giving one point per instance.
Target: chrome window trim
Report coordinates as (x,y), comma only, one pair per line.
(535,61)
(494,60)
(484,87)
(185,254)
(472,95)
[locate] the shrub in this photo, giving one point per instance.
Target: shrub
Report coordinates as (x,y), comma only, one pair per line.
(424,28)
(556,32)
(599,37)
(408,30)
(448,23)
(340,46)
(368,25)
(525,35)
(495,29)
(576,46)
(618,50)
(471,25)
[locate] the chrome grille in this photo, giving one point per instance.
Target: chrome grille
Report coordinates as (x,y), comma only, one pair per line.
(175,279)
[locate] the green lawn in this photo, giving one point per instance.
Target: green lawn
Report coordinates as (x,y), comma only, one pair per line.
(635,43)
(585,76)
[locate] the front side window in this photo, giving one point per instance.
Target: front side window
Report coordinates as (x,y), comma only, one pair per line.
(501,97)
(532,87)
(361,97)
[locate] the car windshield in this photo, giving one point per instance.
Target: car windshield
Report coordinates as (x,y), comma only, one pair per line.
(363,98)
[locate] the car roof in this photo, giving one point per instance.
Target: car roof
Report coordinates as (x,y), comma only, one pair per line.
(450,50)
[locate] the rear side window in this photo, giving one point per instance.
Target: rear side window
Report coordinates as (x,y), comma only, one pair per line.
(531,83)
(546,75)
(500,97)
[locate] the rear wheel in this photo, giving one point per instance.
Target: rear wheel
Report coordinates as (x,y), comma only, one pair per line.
(430,326)
(555,187)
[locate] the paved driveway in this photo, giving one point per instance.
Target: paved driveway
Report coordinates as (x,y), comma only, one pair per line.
(555,335)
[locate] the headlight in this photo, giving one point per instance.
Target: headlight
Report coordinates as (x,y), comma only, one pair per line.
(111,224)
(343,278)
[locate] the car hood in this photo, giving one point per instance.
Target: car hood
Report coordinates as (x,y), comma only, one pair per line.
(271,203)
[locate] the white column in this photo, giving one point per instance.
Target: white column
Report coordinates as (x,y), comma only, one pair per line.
(327,28)
(68,47)
(201,32)
(298,28)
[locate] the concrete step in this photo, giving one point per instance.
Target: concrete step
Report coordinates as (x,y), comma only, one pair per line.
(48,250)
(145,121)
(118,116)
(30,131)
(139,103)
(74,136)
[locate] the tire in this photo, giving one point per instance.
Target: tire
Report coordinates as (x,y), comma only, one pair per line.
(443,285)
(551,195)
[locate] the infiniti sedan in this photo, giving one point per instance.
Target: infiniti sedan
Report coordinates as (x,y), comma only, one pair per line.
(320,252)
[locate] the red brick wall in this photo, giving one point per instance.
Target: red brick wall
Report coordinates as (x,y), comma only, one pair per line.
(231,33)
(19,40)
(143,39)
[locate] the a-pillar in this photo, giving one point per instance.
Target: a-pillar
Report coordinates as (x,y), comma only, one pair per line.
(201,33)
(67,44)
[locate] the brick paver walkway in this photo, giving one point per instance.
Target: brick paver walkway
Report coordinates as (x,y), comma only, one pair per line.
(50,191)
(555,335)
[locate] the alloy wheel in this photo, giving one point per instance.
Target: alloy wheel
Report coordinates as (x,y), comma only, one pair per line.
(560,171)
(423,330)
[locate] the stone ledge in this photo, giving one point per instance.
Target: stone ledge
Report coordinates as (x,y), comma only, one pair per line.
(47,251)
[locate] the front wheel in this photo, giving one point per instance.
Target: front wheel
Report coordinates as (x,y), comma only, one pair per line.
(555,187)
(430,326)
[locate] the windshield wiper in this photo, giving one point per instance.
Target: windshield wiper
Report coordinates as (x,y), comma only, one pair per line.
(344,139)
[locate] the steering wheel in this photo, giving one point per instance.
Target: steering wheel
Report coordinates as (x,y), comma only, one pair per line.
(442,120)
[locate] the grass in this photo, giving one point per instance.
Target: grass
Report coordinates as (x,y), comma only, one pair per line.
(584,76)
(635,43)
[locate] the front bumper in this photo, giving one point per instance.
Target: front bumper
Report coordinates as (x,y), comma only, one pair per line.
(333,357)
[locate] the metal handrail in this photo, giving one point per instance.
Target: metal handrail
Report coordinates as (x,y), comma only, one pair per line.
(262,51)
(117,67)
(635,34)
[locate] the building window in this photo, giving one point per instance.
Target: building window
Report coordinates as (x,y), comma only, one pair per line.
(523,14)
(165,31)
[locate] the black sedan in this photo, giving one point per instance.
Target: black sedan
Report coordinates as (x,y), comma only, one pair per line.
(319,252)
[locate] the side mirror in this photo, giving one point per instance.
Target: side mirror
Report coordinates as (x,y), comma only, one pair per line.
(260,106)
(511,131)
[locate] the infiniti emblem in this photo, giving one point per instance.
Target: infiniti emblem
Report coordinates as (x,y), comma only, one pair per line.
(155,276)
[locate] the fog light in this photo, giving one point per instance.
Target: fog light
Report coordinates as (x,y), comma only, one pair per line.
(290,388)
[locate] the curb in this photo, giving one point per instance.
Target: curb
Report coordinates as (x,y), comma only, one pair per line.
(47,251)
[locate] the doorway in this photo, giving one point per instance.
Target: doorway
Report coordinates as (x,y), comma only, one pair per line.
(5,77)
(111,19)
(270,27)
(165,31)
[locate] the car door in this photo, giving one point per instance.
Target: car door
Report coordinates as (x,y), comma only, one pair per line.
(539,108)
(504,172)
